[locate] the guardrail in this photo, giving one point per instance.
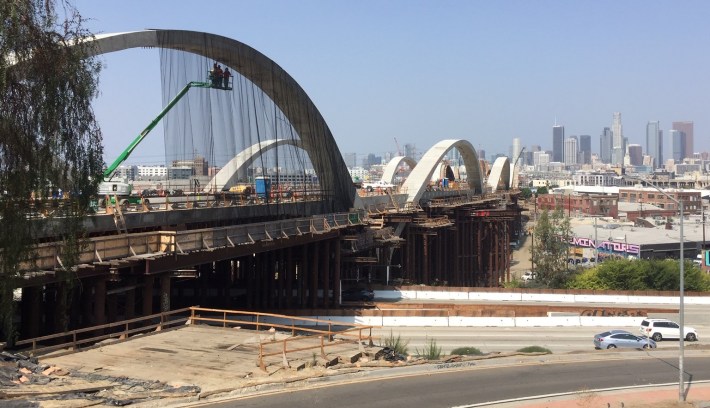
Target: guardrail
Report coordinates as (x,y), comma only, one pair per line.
(259,320)
(156,322)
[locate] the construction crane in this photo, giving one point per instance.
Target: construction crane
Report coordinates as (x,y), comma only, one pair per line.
(399,149)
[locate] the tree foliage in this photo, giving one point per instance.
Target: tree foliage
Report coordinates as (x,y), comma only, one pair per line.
(644,274)
(550,248)
(49,138)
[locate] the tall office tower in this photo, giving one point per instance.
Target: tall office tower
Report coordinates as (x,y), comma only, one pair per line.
(687,128)
(481,154)
(635,155)
(678,139)
(617,140)
(350,159)
(571,151)
(410,150)
(585,148)
(558,139)
(606,146)
(654,143)
(517,146)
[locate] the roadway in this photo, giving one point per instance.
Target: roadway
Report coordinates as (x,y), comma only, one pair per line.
(557,339)
(474,386)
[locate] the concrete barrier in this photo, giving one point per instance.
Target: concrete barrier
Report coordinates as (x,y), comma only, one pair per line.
(467,321)
(601,298)
(558,321)
(547,297)
(611,321)
(495,296)
(415,321)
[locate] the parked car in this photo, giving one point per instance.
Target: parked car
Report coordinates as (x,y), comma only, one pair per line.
(527,276)
(357,294)
(660,329)
(622,339)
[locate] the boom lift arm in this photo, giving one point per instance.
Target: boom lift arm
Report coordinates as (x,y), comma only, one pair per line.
(124,155)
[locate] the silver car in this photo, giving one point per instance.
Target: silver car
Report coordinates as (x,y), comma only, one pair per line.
(621,338)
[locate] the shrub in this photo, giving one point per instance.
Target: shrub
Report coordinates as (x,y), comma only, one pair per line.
(430,351)
(397,344)
(534,349)
(467,351)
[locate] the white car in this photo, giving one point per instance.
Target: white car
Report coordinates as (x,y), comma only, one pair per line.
(527,276)
(381,184)
(661,329)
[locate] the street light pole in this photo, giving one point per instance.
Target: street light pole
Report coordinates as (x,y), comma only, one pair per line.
(681,295)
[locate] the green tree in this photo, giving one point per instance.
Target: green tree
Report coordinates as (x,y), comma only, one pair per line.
(542,190)
(645,274)
(49,138)
(525,193)
(551,245)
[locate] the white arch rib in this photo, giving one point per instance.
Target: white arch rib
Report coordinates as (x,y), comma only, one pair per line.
(418,180)
(391,168)
(236,167)
(500,172)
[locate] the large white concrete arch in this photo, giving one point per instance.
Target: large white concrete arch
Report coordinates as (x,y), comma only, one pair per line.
(236,168)
(391,168)
(418,179)
(277,84)
(500,172)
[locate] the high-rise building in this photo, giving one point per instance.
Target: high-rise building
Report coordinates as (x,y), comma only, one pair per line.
(635,155)
(687,128)
(517,146)
(606,146)
(585,148)
(617,140)
(654,143)
(350,159)
(481,154)
(678,139)
(558,138)
(571,151)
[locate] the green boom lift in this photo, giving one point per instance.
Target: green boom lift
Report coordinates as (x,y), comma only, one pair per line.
(114,189)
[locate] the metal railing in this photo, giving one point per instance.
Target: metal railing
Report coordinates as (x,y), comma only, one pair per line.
(118,330)
(258,320)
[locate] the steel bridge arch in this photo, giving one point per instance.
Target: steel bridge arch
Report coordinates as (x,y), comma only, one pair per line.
(391,168)
(418,180)
(234,169)
(500,172)
(274,81)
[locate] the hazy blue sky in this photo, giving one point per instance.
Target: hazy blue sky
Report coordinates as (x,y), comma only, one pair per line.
(422,71)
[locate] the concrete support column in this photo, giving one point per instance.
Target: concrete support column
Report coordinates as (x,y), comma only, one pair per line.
(100,301)
(148,282)
(425,260)
(325,271)
(112,307)
(165,292)
(30,312)
(336,274)
(290,274)
(303,272)
(314,275)
(281,278)
(130,311)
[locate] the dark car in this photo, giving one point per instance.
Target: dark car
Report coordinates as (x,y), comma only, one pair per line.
(358,295)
